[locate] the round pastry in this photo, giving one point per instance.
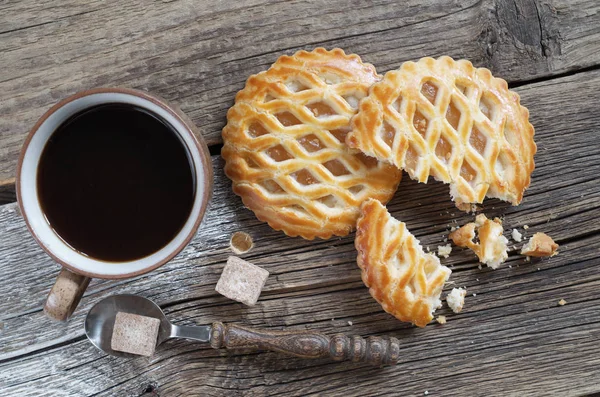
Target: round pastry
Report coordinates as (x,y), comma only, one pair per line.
(285,151)
(452,121)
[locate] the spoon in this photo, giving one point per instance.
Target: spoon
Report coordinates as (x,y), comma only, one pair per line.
(374,350)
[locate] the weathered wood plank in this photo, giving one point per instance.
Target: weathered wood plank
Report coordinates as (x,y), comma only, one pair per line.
(516,351)
(511,339)
(199,54)
(530,324)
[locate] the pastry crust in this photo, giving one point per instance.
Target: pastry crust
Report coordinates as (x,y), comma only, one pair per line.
(450,120)
(405,281)
(540,245)
(285,151)
(492,248)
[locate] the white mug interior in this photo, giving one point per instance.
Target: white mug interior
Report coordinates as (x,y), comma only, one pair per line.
(40,226)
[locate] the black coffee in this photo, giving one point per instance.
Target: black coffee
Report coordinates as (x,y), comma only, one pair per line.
(116,183)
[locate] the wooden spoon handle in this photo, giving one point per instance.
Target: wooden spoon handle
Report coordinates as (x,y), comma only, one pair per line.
(374,350)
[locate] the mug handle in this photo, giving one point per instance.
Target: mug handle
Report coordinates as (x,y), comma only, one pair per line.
(65,295)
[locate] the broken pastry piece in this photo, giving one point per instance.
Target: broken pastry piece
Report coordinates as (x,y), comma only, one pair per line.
(401,277)
(449,120)
(491,247)
(456,299)
(540,245)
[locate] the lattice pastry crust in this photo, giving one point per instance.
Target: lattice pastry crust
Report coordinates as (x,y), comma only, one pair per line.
(285,145)
(405,281)
(452,121)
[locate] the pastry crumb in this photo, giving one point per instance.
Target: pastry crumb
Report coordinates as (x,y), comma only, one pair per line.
(525,227)
(562,302)
(517,236)
(444,250)
(492,247)
(540,245)
(426,392)
(441,319)
(350,323)
(456,299)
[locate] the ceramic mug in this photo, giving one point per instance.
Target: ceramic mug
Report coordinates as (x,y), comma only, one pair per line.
(77,268)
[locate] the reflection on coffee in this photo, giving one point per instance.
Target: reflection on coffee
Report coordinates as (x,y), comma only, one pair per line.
(116,183)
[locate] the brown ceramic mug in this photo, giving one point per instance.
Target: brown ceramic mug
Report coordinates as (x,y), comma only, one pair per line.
(78,268)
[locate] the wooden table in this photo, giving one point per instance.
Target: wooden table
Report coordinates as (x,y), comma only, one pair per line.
(512,337)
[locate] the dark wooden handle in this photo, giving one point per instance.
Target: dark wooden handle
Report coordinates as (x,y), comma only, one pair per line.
(374,350)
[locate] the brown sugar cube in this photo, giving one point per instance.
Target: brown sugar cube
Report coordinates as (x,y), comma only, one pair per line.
(241,281)
(135,334)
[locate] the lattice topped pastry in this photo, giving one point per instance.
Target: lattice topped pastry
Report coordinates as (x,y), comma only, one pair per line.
(405,280)
(285,145)
(452,121)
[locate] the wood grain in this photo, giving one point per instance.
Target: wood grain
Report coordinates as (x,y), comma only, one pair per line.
(198,54)
(512,338)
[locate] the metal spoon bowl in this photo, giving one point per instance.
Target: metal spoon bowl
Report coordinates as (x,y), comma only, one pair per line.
(100,321)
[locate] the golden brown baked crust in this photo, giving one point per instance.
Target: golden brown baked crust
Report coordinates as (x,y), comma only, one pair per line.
(491,247)
(540,244)
(452,121)
(285,151)
(405,281)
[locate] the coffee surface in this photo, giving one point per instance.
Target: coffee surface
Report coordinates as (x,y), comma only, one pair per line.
(116,183)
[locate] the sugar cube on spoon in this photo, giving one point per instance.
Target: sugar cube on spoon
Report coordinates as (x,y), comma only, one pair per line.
(135,334)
